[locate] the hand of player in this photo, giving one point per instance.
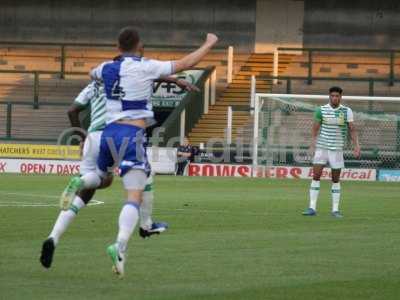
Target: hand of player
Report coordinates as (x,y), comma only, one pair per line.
(183,84)
(357,152)
(211,39)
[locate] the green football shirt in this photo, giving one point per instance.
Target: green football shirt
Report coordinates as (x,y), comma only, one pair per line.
(94,95)
(334,126)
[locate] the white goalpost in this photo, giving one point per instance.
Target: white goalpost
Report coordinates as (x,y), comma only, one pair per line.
(282,129)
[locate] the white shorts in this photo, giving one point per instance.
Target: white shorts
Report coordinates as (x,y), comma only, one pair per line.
(136,179)
(91,150)
(333,157)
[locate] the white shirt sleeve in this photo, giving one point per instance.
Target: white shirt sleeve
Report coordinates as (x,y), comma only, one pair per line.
(95,73)
(157,68)
(86,95)
(350,116)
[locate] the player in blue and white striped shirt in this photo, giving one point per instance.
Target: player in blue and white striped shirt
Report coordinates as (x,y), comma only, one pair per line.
(128,85)
(93,95)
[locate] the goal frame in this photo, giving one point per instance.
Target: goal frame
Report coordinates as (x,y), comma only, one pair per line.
(257,103)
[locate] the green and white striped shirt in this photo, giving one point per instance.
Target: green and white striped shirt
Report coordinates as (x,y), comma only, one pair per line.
(93,94)
(334,126)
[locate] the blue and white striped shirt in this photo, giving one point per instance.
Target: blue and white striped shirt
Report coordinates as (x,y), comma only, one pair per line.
(128,84)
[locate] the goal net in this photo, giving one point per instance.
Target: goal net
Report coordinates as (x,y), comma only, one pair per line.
(282,126)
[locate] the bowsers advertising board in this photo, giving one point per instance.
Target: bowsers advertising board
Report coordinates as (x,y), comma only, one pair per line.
(282,172)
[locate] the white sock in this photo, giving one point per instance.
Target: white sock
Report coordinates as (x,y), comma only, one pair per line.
(335,196)
(314,192)
(65,218)
(146,210)
(91,180)
(128,219)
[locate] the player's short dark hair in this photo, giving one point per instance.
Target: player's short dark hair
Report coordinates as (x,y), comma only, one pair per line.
(336,89)
(128,39)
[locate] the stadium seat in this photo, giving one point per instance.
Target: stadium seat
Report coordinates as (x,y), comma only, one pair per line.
(213,124)
(52,89)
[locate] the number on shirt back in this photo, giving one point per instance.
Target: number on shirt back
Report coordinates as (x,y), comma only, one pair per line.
(117,91)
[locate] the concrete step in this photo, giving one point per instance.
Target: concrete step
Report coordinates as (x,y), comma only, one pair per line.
(221,121)
(236,103)
(222,114)
(259,81)
(203,138)
(200,130)
(248,84)
(233,100)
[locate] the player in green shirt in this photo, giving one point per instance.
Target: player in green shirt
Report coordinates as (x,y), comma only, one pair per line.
(329,133)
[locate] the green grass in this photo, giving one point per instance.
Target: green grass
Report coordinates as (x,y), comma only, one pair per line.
(228,239)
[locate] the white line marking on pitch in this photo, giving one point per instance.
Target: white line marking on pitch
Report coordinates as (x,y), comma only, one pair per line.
(28,195)
(28,204)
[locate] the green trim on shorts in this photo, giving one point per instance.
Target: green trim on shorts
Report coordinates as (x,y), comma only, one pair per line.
(148,187)
(314,188)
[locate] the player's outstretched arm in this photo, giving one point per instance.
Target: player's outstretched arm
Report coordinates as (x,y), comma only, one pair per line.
(354,139)
(183,84)
(196,56)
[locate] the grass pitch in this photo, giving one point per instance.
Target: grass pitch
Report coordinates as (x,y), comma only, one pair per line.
(228,239)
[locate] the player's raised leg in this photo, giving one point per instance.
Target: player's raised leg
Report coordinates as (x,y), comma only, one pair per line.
(89,181)
(93,96)
(63,221)
(134,170)
(67,215)
(134,182)
(147,226)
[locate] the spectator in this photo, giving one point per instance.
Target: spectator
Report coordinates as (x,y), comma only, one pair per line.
(186,154)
